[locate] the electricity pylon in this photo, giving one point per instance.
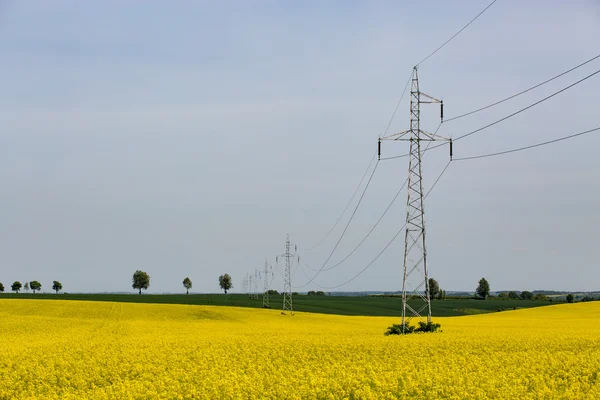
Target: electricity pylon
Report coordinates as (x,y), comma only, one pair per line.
(250,286)
(256,279)
(287,281)
(415,281)
(268,269)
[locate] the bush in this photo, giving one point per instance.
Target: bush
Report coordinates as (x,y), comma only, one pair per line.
(424,327)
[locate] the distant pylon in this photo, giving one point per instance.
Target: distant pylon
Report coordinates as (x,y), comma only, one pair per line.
(256,279)
(415,253)
(250,286)
(287,281)
(267,273)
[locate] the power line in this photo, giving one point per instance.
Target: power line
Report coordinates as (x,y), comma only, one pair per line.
(345,229)
(527,147)
(522,92)
(504,118)
(438,179)
(387,245)
(345,208)
(377,223)
(397,105)
(525,108)
(456,34)
(365,238)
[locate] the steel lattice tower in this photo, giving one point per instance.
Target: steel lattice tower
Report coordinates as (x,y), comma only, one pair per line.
(250,286)
(256,279)
(415,282)
(287,282)
(266,303)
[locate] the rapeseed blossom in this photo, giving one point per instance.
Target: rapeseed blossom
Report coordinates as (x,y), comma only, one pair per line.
(77,350)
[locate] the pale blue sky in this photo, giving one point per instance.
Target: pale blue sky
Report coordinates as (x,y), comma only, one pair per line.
(188,139)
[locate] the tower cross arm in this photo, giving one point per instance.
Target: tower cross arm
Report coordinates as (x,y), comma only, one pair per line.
(423,135)
(396,136)
(431,99)
(432,136)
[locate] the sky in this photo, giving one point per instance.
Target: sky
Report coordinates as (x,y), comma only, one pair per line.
(187,139)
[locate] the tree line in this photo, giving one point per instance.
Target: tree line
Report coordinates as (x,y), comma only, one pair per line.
(141,281)
(35,286)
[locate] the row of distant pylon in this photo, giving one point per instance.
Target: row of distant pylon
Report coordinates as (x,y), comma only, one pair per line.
(251,283)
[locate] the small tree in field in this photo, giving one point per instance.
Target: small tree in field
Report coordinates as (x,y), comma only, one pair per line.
(26,287)
(187,284)
(570,298)
(1,288)
(141,280)
(35,286)
(483,289)
(434,288)
(225,282)
(16,286)
(540,297)
(526,295)
(56,286)
(513,295)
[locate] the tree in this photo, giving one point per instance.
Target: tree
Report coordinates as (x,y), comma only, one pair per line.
(35,286)
(56,286)
(16,286)
(441,294)
(225,282)
(513,295)
(540,297)
(312,293)
(570,298)
(320,293)
(272,292)
(434,288)
(483,289)
(503,295)
(26,287)
(1,288)
(187,284)
(526,295)
(141,280)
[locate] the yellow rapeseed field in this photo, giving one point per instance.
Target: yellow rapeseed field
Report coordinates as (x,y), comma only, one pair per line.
(76,350)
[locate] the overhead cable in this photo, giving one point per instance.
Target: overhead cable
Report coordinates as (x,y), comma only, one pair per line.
(525,108)
(345,208)
(456,34)
(345,229)
(527,147)
(388,244)
(522,92)
(504,118)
